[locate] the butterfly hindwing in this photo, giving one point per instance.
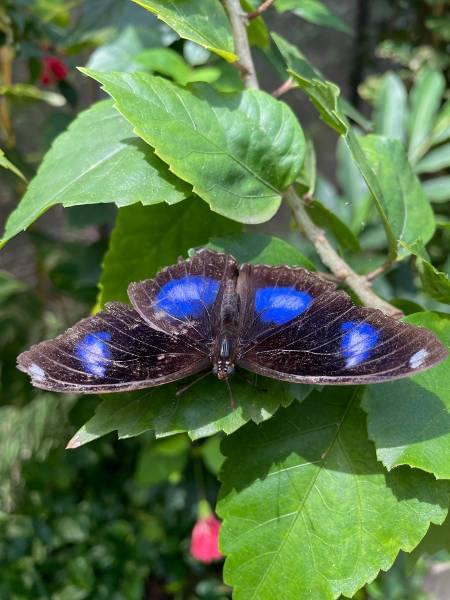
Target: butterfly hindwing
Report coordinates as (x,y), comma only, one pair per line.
(183,299)
(330,340)
(115,350)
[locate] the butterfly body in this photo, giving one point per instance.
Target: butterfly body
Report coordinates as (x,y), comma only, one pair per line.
(210,313)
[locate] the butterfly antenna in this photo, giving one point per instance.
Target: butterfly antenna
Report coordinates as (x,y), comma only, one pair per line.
(232,402)
(189,385)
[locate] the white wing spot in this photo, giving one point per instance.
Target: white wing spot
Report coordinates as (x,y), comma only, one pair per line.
(160,357)
(418,358)
(37,372)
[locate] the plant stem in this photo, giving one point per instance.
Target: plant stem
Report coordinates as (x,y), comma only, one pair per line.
(242,47)
(337,265)
(288,85)
(261,8)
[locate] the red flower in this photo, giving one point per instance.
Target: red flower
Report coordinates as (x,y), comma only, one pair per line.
(53,70)
(205,539)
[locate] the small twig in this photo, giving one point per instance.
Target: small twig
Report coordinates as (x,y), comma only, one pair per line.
(242,47)
(330,258)
(261,8)
(288,85)
(379,270)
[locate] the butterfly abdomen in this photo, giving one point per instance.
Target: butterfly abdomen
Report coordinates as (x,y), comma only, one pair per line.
(224,347)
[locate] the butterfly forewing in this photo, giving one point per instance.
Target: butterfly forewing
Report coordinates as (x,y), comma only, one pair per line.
(185,298)
(330,340)
(115,350)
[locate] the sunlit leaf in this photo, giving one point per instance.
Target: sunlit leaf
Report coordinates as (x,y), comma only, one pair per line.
(239,151)
(409,420)
(204,23)
(308,509)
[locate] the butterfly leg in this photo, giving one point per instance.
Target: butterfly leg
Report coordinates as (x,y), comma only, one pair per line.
(186,387)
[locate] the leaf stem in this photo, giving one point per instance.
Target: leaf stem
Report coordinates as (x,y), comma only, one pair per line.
(261,8)
(330,258)
(288,85)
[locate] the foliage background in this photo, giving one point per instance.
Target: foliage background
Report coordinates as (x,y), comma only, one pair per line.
(114,519)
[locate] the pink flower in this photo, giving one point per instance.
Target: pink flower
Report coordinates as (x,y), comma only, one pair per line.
(53,69)
(205,539)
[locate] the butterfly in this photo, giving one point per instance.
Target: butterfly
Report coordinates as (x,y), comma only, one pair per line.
(208,312)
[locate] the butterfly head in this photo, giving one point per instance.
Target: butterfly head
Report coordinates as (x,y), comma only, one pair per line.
(223,362)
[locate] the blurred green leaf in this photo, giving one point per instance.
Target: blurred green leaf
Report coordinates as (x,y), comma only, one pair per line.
(119,54)
(258,34)
(409,419)
(441,129)
(114,166)
(314,12)
(162,460)
(168,62)
(407,208)
(211,454)
(437,189)
(391,107)
(434,283)
(260,249)
(306,486)
(435,160)
(426,97)
(145,239)
(325,218)
(354,188)
(239,174)
(437,539)
(25,91)
(205,24)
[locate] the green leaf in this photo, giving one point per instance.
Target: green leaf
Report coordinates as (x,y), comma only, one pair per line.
(441,129)
(113,166)
(354,188)
(437,539)
(323,94)
(435,283)
(239,151)
(325,218)
(7,164)
(409,420)
(407,208)
(145,239)
(168,62)
(314,12)
(391,107)
(162,460)
(261,250)
(435,160)
(426,96)
(201,411)
(308,510)
(437,189)
(204,23)
(119,55)
(26,91)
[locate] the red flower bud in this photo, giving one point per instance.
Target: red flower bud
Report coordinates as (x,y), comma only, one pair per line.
(205,539)
(53,69)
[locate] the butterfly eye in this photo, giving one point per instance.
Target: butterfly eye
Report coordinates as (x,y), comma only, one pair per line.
(188,296)
(357,342)
(279,305)
(93,352)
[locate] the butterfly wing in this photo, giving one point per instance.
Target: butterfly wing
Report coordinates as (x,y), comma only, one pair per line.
(115,350)
(296,327)
(184,298)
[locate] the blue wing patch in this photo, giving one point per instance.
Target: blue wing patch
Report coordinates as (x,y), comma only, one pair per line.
(357,342)
(93,352)
(188,296)
(280,304)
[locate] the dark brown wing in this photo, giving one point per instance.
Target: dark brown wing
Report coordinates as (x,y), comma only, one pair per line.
(329,340)
(113,351)
(183,299)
